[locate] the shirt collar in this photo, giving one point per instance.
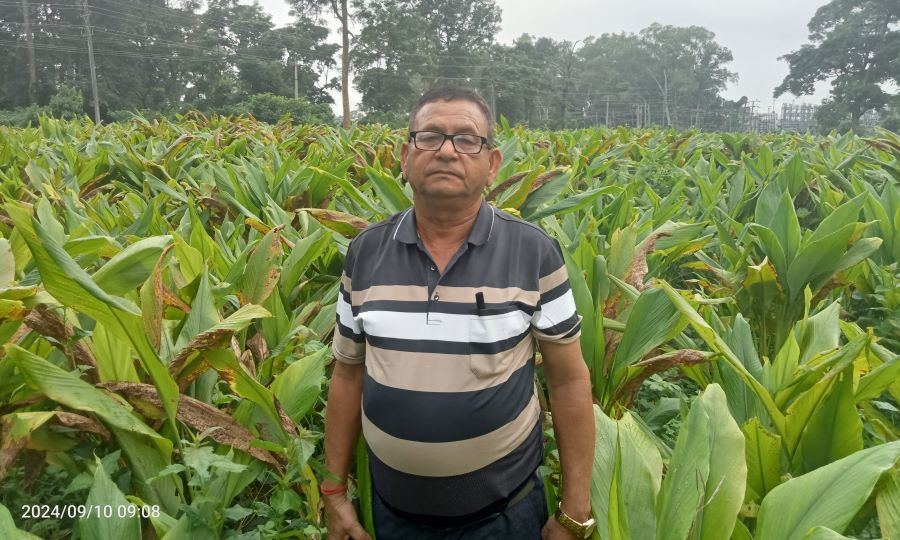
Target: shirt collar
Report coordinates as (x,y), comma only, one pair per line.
(481,232)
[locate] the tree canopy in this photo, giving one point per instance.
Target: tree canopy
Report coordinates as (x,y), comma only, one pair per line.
(856,45)
(169,56)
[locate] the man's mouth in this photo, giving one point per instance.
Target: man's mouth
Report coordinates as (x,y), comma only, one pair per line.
(444,171)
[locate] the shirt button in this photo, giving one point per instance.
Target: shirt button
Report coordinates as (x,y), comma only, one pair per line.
(433,268)
(436,298)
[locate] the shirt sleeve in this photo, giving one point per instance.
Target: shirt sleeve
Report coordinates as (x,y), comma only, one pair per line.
(555,318)
(349,343)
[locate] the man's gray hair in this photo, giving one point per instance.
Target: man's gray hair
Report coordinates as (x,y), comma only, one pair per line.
(451,93)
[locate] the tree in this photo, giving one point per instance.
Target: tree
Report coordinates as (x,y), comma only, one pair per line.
(856,44)
(339,9)
(671,71)
(406,46)
(686,65)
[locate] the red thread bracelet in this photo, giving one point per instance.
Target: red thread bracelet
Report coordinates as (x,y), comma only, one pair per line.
(333,491)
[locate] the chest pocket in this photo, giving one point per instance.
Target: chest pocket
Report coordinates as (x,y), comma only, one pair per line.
(494,331)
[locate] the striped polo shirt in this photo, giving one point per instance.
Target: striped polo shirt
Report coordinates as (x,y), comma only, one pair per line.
(449,406)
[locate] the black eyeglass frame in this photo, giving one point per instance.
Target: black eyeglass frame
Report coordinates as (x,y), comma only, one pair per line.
(451,137)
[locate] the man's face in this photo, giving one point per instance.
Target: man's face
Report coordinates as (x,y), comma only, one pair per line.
(445,174)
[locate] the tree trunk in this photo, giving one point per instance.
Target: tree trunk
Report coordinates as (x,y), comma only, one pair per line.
(345,65)
(29,38)
(666,97)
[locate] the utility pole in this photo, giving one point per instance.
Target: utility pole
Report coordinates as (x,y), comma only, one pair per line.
(345,64)
(90,44)
(296,85)
(493,101)
(607,110)
(29,38)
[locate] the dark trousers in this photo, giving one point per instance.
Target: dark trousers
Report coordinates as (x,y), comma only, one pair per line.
(522,520)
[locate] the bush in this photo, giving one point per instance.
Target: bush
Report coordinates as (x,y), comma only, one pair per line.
(21,116)
(391,119)
(271,108)
(67,102)
(126,115)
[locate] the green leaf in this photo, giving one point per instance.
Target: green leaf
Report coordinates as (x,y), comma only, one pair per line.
(203,459)
(130,267)
(203,315)
(741,400)
(298,386)
(782,221)
(652,321)
(846,214)
(190,260)
(605,458)
(574,203)
(585,307)
(878,380)
(887,501)
(7,264)
(639,478)
(113,356)
(781,371)
(244,385)
(71,285)
(824,533)
(388,190)
(703,489)
(302,255)
(834,430)
(820,333)
(774,251)
(828,497)
(858,253)
(364,487)
(8,527)
(146,450)
(817,258)
(544,194)
(717,344)
(105,495)
(101,246)
(794,175)
(763,450)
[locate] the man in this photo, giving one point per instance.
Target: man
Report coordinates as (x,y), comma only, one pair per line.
(439,311)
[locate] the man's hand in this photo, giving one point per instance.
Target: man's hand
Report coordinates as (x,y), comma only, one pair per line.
(554,531)
(341,519)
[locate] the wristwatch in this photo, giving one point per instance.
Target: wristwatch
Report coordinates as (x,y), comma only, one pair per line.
(579,529)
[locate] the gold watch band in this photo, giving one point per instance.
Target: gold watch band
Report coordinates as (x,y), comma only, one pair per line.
(580,530)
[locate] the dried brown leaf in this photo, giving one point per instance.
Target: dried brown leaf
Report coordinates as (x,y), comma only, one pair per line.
(49,324)
(494,193)
(658,364)
(200,417)
(638,268)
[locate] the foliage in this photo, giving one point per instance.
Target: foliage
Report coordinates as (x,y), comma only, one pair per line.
(151,55)
(736,295)
(405,47)
(271,108)
(855,44)
(67,102)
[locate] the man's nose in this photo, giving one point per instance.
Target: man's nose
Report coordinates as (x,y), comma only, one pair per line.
(447,149)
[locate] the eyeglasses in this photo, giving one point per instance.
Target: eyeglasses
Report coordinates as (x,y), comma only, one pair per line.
(432,141)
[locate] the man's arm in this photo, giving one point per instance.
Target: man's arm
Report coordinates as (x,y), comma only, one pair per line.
(568,381)
(342,426)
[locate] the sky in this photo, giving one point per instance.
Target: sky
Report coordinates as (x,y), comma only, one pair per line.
(757,33)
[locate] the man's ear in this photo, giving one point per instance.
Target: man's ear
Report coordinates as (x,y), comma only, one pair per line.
(404,153)
(496,159)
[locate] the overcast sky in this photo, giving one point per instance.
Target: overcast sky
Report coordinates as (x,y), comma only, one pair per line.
(756,34)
